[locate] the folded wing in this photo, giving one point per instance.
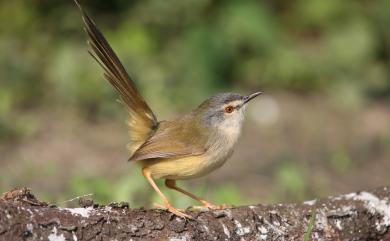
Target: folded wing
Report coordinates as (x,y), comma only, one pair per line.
(174,140)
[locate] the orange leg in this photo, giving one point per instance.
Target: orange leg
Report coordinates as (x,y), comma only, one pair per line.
(147,174)
(172,184)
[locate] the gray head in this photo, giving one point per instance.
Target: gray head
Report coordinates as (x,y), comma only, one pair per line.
(225,110)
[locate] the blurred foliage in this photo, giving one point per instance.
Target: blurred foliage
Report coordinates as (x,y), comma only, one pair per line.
(341,162)
(197,47)
(292,181)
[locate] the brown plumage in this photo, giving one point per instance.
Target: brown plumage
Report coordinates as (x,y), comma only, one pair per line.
(183,145)
(187,147)
(142,121)
(148,137)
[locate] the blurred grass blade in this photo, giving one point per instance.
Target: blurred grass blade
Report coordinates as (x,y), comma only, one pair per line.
(310,226)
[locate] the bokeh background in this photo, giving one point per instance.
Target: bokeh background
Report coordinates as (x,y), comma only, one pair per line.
(321,128)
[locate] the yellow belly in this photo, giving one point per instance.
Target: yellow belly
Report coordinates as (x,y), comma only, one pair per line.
(182,168)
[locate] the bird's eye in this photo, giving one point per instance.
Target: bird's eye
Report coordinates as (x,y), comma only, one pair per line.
(229,109)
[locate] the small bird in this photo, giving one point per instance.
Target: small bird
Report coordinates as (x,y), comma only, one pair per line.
(187,147)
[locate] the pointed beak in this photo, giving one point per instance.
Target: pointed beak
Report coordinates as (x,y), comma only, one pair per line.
(251,96)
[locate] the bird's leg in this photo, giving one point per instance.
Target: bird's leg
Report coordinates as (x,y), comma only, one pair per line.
(172,185)
(147,174)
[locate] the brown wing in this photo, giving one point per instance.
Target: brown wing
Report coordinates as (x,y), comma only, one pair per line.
(142,120)
(174,139)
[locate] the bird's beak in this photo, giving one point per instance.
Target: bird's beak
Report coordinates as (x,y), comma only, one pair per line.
(251,96)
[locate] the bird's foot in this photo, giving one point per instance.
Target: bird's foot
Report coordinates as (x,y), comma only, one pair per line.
(209,206)
(213,206)
(173,210)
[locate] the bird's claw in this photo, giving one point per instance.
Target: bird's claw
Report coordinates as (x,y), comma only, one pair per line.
(208,206)
(173,210)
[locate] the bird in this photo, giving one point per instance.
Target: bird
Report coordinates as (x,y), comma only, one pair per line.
(186,147)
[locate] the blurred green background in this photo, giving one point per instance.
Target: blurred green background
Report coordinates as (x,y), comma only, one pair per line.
(321,128)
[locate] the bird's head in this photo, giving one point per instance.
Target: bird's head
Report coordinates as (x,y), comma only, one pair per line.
(224,110)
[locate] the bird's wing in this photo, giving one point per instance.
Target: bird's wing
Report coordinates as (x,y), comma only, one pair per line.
(142,121)
(173,140)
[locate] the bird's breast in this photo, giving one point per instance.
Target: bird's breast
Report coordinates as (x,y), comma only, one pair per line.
(222,147)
